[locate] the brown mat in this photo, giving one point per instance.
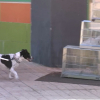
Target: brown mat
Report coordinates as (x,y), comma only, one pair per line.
(55,77)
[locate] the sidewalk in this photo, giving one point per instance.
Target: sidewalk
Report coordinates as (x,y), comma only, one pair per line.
(38,82)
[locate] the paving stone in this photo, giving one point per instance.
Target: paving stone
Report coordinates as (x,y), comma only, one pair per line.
(27,88)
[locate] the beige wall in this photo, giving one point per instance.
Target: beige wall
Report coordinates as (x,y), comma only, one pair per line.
(94,9)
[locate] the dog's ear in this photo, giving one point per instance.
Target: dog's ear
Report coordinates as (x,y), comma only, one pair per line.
(24,49)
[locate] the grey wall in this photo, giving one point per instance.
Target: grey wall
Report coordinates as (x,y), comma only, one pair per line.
(41,35)
(55,24)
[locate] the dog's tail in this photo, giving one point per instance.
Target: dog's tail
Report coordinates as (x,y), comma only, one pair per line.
(4,59)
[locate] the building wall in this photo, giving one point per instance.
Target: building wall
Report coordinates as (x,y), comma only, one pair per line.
(94,10)
(14,25)
(55,24)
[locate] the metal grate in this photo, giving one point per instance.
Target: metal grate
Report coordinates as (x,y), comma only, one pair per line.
(90,35)
(81,63)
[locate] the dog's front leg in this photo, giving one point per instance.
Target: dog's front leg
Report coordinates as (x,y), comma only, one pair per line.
(14,72)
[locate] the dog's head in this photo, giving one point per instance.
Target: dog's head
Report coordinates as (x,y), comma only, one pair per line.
(26,55)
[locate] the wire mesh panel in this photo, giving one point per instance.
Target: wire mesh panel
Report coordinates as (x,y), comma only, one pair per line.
(90,35)
(81,63)
(96,10)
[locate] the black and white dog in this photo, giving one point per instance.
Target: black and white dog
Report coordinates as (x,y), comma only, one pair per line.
(12,60)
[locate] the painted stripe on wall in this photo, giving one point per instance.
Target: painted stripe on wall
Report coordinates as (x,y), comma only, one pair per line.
(17,0)
(15,12)
(0,11)
(15,31)
(14,37)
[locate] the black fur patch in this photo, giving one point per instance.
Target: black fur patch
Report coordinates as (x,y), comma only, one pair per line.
(25,54)
(8,64)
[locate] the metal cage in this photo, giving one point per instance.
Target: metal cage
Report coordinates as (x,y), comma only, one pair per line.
(81,63)
(90,35)
(84,61)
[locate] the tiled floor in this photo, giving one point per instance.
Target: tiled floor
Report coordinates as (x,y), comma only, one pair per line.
(27,88)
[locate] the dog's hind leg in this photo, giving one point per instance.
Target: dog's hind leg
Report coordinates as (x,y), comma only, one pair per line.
(10,73)
(14,72)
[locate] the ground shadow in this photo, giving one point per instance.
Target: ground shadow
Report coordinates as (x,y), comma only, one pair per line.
(56,77)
